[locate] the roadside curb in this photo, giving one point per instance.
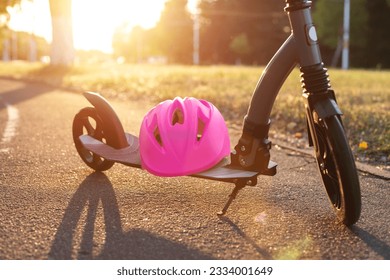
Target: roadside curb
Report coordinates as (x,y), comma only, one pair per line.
(362,167)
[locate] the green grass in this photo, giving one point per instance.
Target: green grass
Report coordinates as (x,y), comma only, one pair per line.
(364,96)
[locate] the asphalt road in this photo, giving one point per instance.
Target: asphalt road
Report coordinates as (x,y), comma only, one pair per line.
(52,206)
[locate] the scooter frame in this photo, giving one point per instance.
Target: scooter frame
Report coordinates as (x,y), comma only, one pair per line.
(108,143)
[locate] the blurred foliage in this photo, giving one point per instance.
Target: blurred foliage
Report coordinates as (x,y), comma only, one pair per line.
(24,40)
(171,38)
(369,34)
(250,31)
(5,3)
(229,30)
(174,32)
(328,16)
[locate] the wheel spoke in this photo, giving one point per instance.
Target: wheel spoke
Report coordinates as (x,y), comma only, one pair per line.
(327,167)
(96,159)
(88,126)
(98,131)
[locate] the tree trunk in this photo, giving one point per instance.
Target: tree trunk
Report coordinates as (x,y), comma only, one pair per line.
(62,50)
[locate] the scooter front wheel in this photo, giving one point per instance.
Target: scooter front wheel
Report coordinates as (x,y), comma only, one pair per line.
(88,122)
(337,168)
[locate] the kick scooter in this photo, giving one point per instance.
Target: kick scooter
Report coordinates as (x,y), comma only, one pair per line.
(100,139)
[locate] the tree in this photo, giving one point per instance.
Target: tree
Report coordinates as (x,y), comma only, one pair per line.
(121,42)
(174,32)
(240,46)
(223,21)
(378,39)
(369,34)
(4,31)
(7,3)
(328,16)
(23,45)
(62,49)
(136,45)
(328,19)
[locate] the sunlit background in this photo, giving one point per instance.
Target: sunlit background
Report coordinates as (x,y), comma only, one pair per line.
(188,31)
(94,21)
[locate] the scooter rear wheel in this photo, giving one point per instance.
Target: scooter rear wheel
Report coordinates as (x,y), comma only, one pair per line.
(88,122)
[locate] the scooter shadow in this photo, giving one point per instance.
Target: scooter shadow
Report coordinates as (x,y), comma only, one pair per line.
(261,251)
(376,244)
(135,244)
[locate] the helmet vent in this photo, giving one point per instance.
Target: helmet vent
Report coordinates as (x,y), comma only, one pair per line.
(177,117)
(157,136)
(200,131)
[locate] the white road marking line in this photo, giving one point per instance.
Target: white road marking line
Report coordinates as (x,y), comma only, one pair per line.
(11,126)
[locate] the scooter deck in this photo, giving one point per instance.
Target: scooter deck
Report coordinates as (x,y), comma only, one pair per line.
(130,156)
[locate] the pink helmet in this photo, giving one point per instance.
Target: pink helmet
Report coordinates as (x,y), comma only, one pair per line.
(183,137)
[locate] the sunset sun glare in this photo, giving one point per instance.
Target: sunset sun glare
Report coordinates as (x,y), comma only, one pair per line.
(94,21)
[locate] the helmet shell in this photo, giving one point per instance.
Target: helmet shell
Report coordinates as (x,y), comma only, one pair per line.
(182,137)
